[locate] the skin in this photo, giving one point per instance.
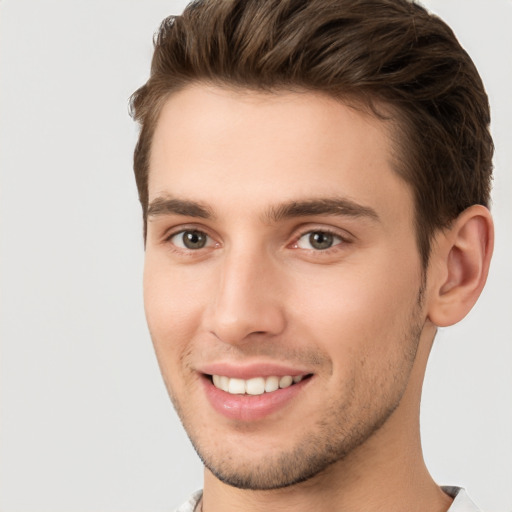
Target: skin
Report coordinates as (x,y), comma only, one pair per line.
(358,316)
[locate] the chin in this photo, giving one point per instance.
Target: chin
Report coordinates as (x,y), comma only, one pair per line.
(311,455)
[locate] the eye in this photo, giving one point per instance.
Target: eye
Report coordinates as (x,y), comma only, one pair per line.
(190,239)
(318,240)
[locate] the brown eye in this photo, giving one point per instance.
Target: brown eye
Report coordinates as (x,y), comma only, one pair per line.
(190,239)
(318,240)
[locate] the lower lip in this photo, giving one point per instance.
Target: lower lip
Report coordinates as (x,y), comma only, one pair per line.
(251,407)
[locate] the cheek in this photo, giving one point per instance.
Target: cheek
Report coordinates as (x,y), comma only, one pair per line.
(359,316)
(173,302)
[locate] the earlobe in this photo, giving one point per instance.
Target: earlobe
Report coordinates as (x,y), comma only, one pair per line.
(462,257)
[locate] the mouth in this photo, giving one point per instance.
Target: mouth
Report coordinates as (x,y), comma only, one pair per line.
(253,391)
(256,385)
(255,398)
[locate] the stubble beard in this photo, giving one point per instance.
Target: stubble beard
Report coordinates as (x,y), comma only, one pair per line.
(334,437)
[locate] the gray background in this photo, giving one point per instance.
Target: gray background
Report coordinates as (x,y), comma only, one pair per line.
(86,424)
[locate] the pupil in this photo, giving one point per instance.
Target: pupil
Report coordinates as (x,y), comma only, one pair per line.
(320,240)
(194,240)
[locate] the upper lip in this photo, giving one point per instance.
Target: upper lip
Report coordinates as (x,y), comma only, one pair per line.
(250,370)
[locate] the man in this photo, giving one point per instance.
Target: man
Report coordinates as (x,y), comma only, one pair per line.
(314,177)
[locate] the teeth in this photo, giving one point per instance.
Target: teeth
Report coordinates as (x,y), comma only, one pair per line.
(285,381)
(236,386)
(224,383)
(271,384)
(255,386)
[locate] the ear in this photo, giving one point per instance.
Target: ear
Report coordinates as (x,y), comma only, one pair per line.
(459,266)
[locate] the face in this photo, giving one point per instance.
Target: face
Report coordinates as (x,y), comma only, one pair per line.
(282,279)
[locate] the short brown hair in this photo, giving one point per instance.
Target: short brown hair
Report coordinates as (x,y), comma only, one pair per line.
(388,52)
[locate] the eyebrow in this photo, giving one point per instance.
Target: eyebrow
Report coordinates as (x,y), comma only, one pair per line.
(322,206)
(174,206)
(306,208)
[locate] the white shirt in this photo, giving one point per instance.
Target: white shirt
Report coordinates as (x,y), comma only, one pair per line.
(461,501)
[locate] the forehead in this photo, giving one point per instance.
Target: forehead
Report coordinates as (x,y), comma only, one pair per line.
(215,145)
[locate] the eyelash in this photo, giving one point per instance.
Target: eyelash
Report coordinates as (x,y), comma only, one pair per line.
(324,231)
(341,241)
(185,250)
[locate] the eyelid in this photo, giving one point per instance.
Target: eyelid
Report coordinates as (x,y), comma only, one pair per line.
(176,230)
(343,235)
(181,245)
(336,240)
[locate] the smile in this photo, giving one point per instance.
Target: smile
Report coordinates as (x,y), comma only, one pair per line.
(254,386)
(253,398)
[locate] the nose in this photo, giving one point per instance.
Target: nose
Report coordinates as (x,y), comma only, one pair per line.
(248,299)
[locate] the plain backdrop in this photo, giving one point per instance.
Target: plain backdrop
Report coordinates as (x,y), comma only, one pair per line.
(86,424)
